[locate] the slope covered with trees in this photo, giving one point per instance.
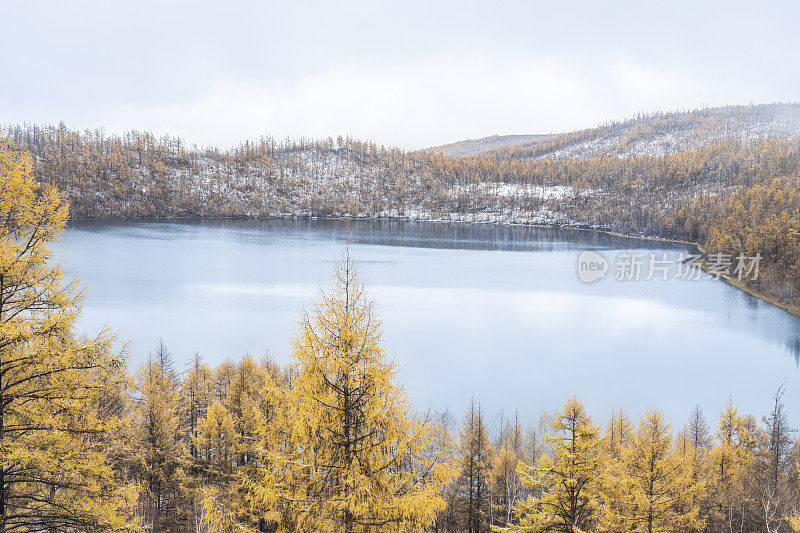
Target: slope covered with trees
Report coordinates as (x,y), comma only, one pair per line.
(653,134)
(725,178)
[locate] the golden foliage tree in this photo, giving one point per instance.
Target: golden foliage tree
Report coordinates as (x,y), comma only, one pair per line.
(568,481)
(348,455)
(728,460)
(505,477)
(217,440)
(475,457)
(156,445)
(658,486)
(55,472)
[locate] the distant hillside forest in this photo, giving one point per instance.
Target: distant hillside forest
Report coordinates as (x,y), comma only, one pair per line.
(726,178)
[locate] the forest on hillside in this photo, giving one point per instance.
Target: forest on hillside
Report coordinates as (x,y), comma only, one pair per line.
(329,442)
(647,134)
(727,180)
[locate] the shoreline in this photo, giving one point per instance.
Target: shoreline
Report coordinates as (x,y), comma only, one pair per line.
(789,308)
(741,285)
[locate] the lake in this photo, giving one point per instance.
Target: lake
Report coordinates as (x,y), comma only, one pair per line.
(490,312)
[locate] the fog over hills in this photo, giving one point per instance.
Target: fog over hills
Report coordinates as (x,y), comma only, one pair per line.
(486,144)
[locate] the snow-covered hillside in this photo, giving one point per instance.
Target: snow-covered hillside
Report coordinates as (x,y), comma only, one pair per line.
(594,177)
(657,134)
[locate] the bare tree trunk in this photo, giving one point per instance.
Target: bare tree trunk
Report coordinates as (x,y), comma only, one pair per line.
(3,401)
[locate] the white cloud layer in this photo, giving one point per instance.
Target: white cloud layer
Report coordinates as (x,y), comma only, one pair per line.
(418,104)
(411,74)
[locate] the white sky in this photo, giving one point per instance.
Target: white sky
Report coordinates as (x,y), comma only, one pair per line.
(411,74)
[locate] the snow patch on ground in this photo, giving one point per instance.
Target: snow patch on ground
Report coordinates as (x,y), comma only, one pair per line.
(515,190)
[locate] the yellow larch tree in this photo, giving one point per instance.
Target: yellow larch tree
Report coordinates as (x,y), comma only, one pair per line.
(694,499)
(54,387)
(475,455)
(227,448)
(567,481)
(505,477)
(212,472)
(618,434)
(658,481)
(248,405)
(194,399)
(614,491)
(195,395)
(217,443)
(346,452)
(156,449)
(727,459)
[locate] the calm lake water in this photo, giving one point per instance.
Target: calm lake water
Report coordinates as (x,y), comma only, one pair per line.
(497,313)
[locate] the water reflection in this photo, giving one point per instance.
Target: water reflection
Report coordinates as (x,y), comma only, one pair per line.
(490,311)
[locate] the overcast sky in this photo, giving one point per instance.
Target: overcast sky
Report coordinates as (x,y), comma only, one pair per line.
(410,74)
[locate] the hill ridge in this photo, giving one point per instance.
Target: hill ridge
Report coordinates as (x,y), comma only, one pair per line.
(658,133)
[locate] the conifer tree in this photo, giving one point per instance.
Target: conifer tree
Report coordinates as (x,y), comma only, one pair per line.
(216,443)
(568,481)
(228,447)
(729,460)
(619,433)
(444,449)
(769,471)
(693,452)
(195,397)
(56,390)
(246,404)
(614,491)
(698,432)
(347,454)
(157,445)
(658,481)
(475,457)
(510,451)
(725,458)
